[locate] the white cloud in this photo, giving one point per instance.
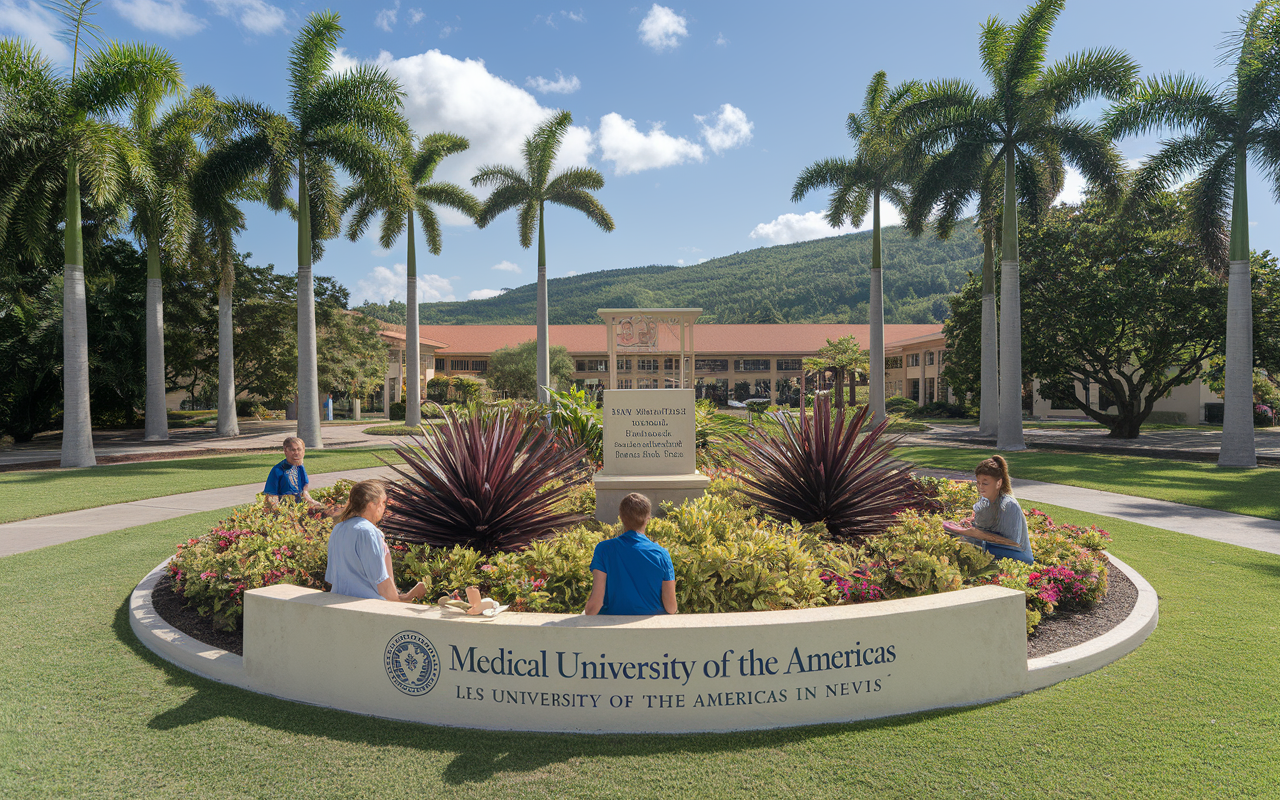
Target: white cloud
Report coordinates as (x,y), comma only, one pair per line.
(662,28)
(443,93)
(789,228)
(162,16)
(507,266)
(576,16)
(720,40)
(1073,186)
(731,129)
(484,294)
(256,15)
(679,262)
(633,151)
(384,284)
(416,16)
(446,30)
(387,17)
(561,85)
(571,273)
(33,22)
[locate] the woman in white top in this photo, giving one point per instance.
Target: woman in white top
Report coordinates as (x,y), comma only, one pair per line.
(359,559)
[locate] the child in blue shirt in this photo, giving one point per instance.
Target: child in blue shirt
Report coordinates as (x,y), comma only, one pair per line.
(630,574)
(289,477)
(998,525)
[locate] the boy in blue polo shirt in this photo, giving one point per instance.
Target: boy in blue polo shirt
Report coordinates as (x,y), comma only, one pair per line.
(289,477)
(629,573)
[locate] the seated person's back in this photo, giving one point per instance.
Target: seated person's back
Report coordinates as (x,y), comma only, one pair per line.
(631,574)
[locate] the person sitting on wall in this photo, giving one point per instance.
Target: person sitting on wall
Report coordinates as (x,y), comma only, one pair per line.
(630,574)
(289,477)
(998,525)
(359,559)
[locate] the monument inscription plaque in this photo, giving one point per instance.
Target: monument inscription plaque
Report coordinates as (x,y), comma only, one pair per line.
(649,432)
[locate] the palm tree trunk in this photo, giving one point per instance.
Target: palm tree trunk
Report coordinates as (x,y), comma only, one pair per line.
(1009,436)
(228,424)
(308,388)
(156,426)
(544,332)
(77,424)
(413,402)
(877,318)
(989,401)
(1237,412)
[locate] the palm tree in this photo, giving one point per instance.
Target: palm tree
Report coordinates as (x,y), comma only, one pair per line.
(1024,124)
(350,121)
(530,190)
(397,216)
(76,132)
(842,358)
(879,169)
(160,196)
(1225,126)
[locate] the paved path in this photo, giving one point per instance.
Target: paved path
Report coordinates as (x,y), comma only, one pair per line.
(1252,532)
(43,452)
(1185,443)
(30,534)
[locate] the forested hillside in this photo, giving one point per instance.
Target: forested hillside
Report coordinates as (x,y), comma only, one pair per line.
(824,280)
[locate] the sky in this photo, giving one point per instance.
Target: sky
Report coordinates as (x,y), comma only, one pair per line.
(700,116)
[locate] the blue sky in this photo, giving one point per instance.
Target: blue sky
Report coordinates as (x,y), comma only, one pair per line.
(699,115)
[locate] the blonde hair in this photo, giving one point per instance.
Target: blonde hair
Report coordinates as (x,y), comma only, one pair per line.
(362,495)
(288,440)
(996,467)
(634,510)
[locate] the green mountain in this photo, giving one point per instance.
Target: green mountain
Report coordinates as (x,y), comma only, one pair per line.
(823,280)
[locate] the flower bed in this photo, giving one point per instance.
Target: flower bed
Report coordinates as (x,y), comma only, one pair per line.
(727,556)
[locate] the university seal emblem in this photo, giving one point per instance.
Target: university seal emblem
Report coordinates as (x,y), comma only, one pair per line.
(412,663)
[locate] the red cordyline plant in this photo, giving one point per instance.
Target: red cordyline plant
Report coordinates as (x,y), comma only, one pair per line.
(828,469)
(475,480)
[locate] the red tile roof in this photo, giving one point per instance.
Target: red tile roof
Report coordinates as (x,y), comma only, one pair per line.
(587,339)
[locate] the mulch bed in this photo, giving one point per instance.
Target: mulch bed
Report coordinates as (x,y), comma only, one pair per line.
(1062,630)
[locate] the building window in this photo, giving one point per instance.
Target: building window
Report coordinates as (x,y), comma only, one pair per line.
(624,364)
(624,383)
(479,366)
(790,365)
(943,390)
(669,364)
(913,359)
(751,365)
(893,362)
(929,395)
(459,364)
(439,365)
(942,357)
(711,364)
(928,358)
(914,386)
(646,365)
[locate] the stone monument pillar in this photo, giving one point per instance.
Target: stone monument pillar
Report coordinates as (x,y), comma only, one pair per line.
(649,434)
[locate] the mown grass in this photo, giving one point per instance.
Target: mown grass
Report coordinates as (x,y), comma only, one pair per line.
(24,495)
(1255,492)
(85,710)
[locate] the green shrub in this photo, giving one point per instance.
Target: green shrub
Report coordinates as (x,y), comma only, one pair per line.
(438,389)
(1167,418)
(900,405)
(396,411)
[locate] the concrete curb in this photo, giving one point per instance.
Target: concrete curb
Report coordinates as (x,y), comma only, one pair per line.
(228,668)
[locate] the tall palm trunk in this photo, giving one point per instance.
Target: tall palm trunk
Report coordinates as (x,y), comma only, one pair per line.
(1009,436)
(228,424)
(1237,415)
(413,402)
(156,426)
(308,386)
(77,425)
(877,318)
(989,403)
(544,332)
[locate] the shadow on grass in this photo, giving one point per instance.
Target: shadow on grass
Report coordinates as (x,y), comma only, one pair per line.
(477,755)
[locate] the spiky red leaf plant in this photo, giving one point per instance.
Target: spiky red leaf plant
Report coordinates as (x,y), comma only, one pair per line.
(828,469)
(474,479)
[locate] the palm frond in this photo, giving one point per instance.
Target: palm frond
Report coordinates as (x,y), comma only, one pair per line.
(585,202)
(117,74)
(1028,41)
(1082,76)
(1170,101)
(310,57)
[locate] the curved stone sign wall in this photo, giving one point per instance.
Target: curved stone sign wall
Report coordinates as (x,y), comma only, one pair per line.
(694,672)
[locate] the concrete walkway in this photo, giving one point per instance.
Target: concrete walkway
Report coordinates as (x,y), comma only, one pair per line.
(1251,532)
(31,534)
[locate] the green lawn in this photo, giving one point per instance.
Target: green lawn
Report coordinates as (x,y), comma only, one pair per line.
(85,710)
(38,493)
(1255,492)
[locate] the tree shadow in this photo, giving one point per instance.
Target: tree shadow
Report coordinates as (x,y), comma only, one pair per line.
(474,756)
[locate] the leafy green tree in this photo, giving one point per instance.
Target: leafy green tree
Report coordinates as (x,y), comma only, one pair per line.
(69,120)
(353,358)
(1225,125)
(1025,114)
(530,190)
(880,169)
(397,211)
(843,358)
(1145,314)
(350,121)
(514,369)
